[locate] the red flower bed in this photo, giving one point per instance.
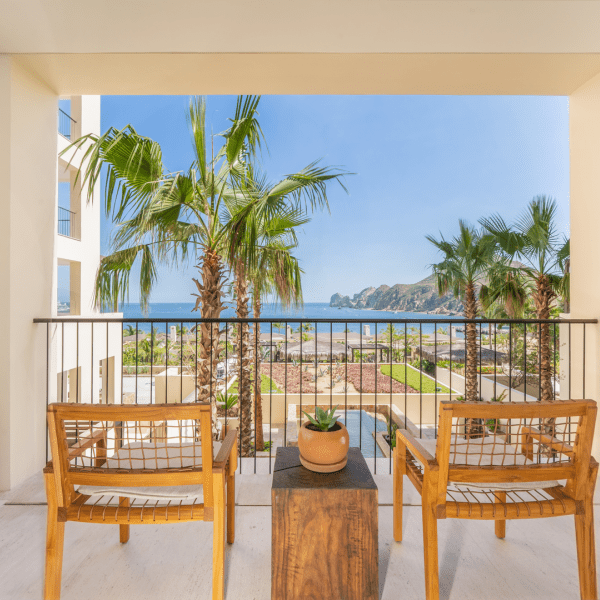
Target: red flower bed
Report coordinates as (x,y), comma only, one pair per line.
(294,375)
(368,380)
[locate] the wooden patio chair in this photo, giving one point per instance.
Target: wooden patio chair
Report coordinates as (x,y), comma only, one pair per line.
(135,465)
(501,461)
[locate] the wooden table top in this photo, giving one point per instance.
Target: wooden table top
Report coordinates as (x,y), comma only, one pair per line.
(288,472)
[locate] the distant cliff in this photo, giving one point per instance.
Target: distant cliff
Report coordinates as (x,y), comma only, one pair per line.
(409,297)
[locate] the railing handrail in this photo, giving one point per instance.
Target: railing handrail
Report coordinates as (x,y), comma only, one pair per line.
(67,115)
(179,319)
(66,210)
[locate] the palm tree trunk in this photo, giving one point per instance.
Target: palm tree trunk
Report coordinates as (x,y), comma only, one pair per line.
(244,371)
(471,394)
(210,304)
(473,427)
(543,298)
(258,416)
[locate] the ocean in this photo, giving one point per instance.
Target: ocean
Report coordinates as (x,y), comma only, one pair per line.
(178,313)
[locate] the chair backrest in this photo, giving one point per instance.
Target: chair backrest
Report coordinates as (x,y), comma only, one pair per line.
(131,446)
(512,442)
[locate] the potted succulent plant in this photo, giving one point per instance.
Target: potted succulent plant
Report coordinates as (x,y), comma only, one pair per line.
(323,442)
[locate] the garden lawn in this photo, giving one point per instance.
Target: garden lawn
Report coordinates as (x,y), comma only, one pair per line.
(413,379)
(265,387)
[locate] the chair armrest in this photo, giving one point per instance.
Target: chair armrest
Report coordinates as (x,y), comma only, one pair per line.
(86,442)
(416,449)
(543,438)
(225,450)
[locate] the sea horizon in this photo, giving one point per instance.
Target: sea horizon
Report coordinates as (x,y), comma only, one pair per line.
(180,313)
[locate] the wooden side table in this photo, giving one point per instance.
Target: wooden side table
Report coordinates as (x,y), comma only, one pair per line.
(324,538)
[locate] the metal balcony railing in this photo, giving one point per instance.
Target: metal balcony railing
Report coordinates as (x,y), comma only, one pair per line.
(65,122)
(382,374)
(66,222)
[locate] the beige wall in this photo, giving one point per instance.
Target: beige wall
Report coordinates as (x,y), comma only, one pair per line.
(584,114)
(28,180)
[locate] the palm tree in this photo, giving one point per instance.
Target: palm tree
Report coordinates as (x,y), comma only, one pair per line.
(279,326)
(130,330)
(466,262)
(172,217)
(534,241)
(266,216)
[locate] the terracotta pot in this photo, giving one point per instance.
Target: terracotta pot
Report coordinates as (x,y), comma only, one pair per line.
(323,451)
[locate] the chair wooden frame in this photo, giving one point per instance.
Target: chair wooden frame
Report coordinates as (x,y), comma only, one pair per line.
(216,475)
(431,475)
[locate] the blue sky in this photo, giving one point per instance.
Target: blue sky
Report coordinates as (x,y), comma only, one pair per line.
(420,164)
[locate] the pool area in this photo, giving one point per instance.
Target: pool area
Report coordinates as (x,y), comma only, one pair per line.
(360,425)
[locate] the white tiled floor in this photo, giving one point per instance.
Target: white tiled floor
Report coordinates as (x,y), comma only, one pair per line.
(537,560)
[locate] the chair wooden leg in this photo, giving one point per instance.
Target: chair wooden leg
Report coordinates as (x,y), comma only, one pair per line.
(55,537)
(399,470)
(586,544)
(123,529)
(230,506)
(218,586)
(430,544)
(500,498)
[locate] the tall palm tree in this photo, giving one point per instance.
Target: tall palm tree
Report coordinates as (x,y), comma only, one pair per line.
(260,227)
(172,217)
(533,240)
(466,261)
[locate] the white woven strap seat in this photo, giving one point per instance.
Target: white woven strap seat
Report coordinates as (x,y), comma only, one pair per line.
(151,456)
(484,452)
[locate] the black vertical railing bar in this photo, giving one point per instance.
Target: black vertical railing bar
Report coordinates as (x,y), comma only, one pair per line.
(300,331)
(495,361)
(62,364)
(316,367)
(285,377)
(405,375)
(151,359)
(47,380)
(181,362)
(583,364)
(330,365)
(375,412)
(510,336)
(420,380)
(77,365)
(391,420)
(360,332)
(137,367)
(166,363)
(554,375)
(540,362)
(122,357)
(569,360)
(92,364)
(525,360)
(435,400)
(257,396)
(450,373)
(196,367)
(270,395)
(480,357)
(226,372)
(106,376)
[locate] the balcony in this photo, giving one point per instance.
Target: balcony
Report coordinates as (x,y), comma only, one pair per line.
(65,123)
(66,223)
(393,374)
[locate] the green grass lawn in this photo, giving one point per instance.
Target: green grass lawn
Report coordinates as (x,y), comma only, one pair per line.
(266,385)
(413,379)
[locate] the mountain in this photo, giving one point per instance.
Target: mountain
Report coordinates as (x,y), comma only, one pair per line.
(405,297)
